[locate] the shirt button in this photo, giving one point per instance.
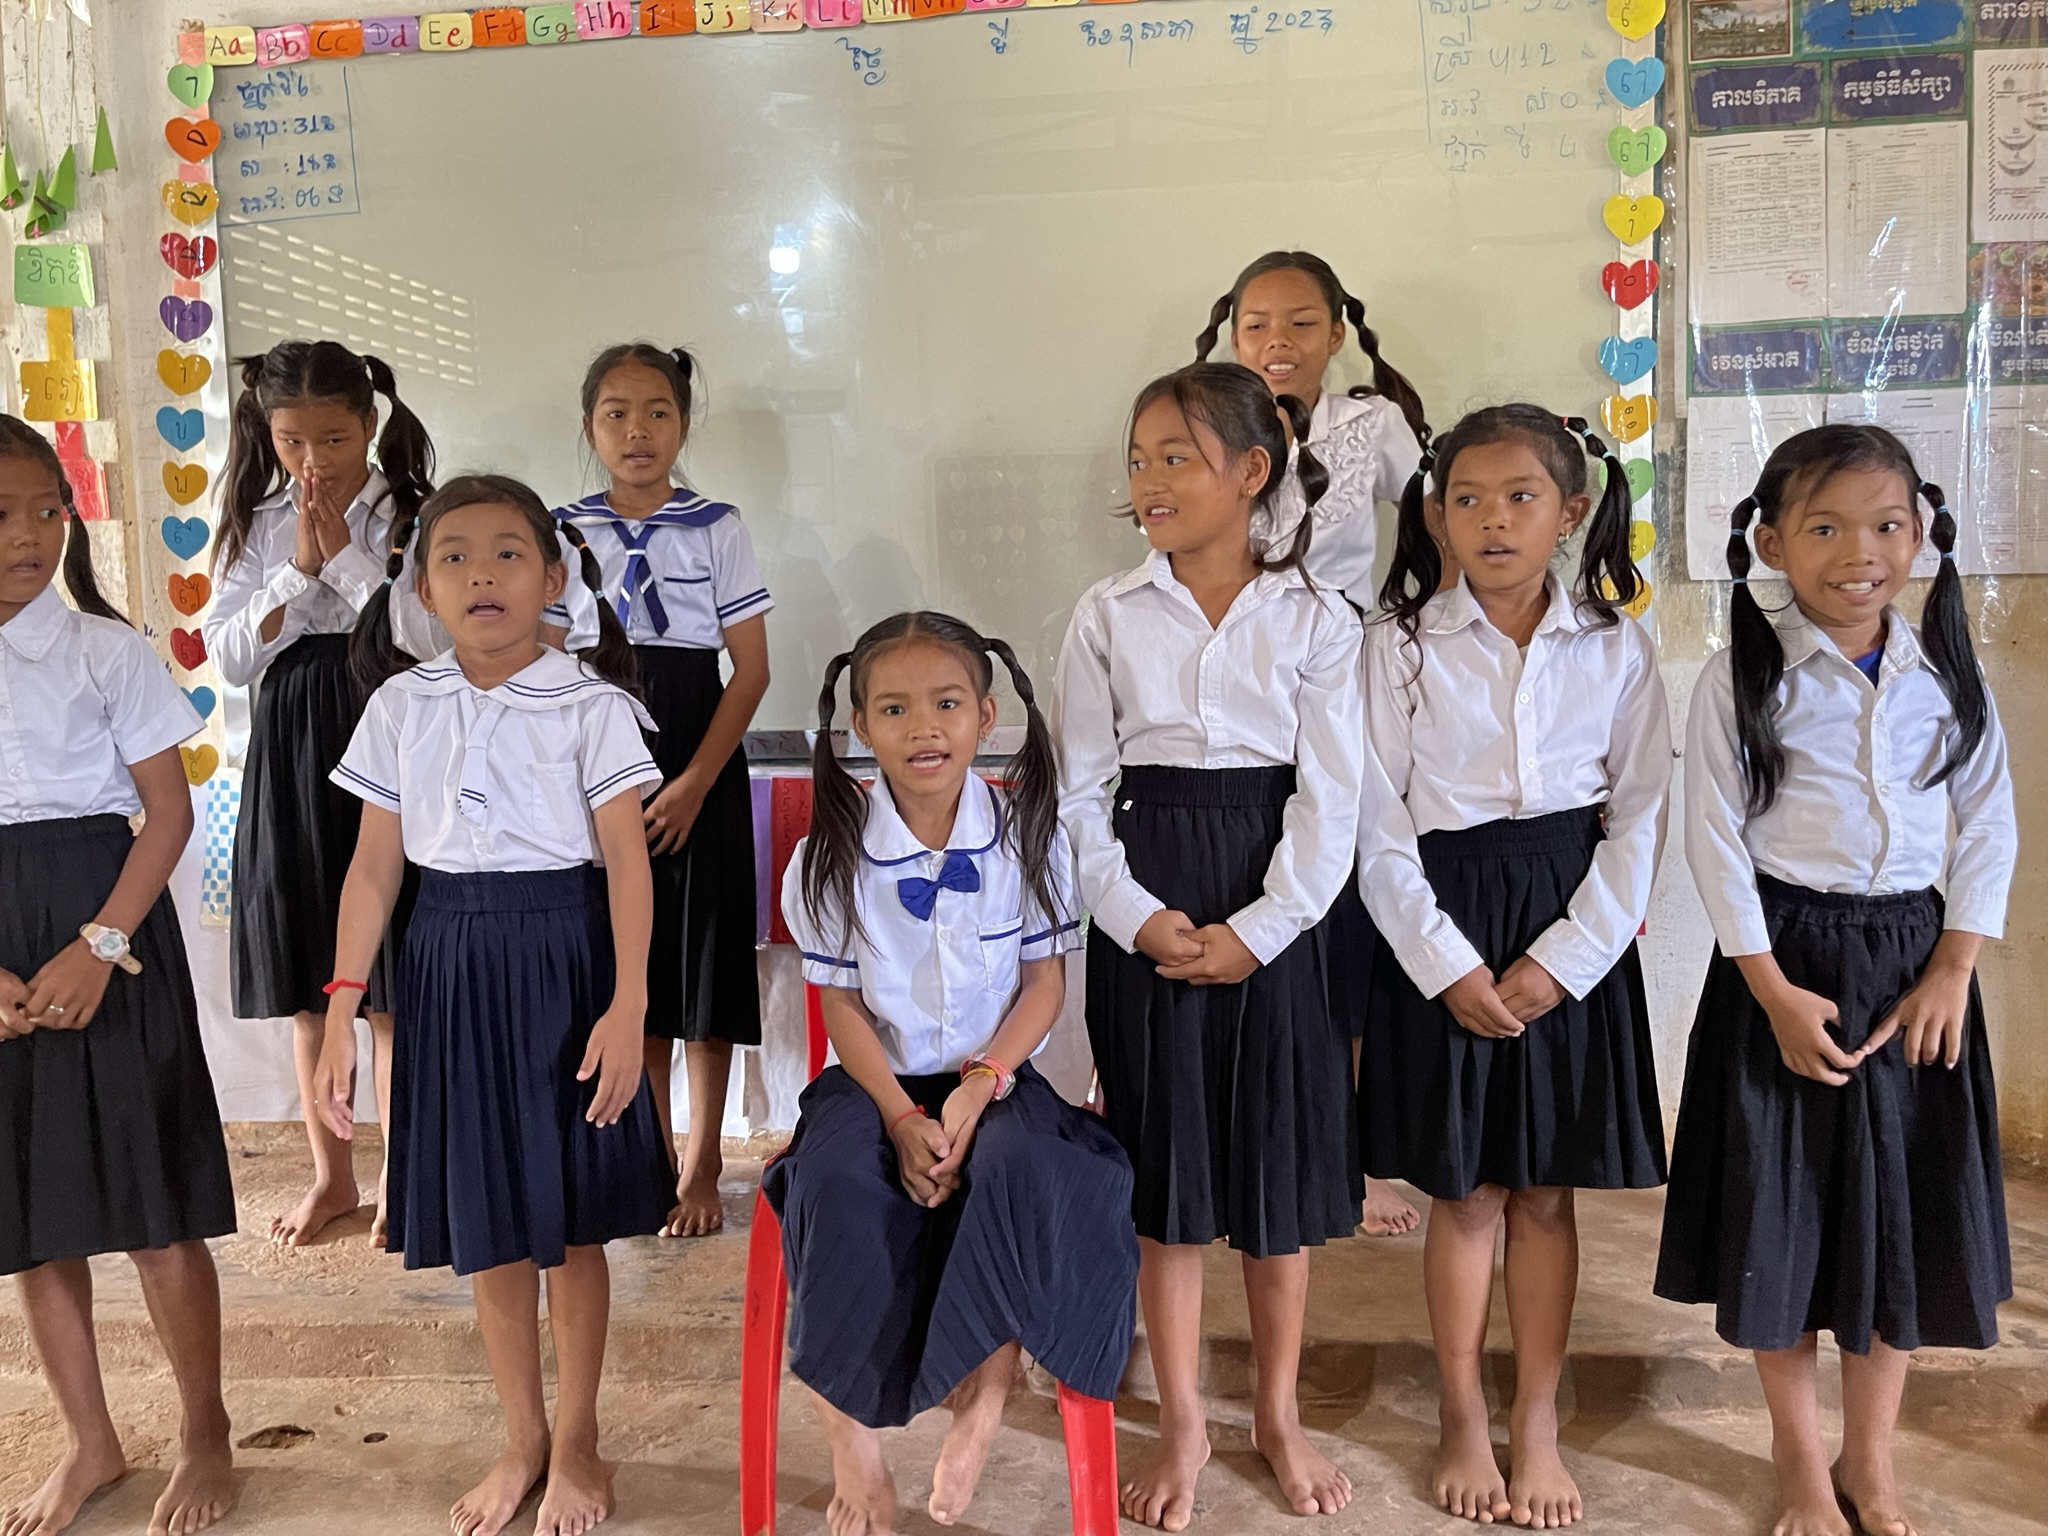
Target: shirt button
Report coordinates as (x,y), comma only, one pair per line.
(1525,698)
(1529,762)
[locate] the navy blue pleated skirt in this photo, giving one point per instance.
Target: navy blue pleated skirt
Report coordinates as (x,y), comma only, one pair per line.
(1876,1209)
(492,1161)
(1234,1103)
(1572,1100)
(894,1304)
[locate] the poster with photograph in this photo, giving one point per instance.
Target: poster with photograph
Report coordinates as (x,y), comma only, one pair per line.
(1738,29)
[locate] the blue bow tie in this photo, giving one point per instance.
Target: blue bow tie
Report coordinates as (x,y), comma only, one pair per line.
(919,896)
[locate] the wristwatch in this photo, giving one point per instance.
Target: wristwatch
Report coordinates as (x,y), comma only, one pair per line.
(111,946)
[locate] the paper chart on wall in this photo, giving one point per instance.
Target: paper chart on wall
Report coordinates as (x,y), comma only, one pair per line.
(1726,443)
(2008,485)
(1896,238)
(1931,423)
(1759,241)
(2009,173)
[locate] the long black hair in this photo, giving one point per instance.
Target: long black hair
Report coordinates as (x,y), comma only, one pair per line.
(374,656)
(839,810)
(1234,403)
(1387,380)
(1607,581)
(1796,469)
(296,372)
(19,440)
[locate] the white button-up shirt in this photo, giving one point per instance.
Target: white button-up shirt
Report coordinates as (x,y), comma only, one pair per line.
(502,778)
(1482,734)
(1371,453)
(938,987)
(1144,679)
(81,698)
(696,560)
(1854,813)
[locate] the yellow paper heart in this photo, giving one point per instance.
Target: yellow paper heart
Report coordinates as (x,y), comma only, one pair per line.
(1642,538)
(191,202)
(1634,18)
(185,482)
(1633,218)
(199,763)
(1628,417)
(182,374)
(1638,605)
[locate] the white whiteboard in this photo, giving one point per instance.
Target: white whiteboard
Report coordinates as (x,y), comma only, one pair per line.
(994,249)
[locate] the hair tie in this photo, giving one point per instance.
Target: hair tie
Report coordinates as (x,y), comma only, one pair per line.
(1948,554)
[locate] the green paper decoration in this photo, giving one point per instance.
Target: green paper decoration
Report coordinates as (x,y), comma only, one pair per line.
(103,147)
(64,181)
(45,212)
(13,190)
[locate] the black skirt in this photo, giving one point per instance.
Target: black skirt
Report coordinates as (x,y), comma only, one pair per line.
(1233,1103)
(1352,944)
(701,978)
(492,1161)
(1876,1208)
(112,1130)
(294,837)
(1572,1101)
(894,1304)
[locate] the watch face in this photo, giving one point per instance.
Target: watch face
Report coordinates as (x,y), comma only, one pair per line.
(107,946)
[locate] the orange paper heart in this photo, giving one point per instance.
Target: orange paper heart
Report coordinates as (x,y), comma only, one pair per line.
(185,482)
(192,138)
(191,202)
(200,763)
(189,593)
(182,374)
(1628,417)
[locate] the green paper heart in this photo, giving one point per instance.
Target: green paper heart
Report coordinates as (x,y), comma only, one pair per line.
(1636,150)
(190,83)
(1642,474)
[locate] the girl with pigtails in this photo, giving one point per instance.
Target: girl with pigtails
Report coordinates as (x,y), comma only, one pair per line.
(1514,810)
(1836,1165)
(313,495)
(941,1205)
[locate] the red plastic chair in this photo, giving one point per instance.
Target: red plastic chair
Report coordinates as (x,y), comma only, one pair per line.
(1088,1423)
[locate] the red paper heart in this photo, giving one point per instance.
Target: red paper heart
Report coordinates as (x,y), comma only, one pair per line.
(188,649)
(189,257)
(1628,285)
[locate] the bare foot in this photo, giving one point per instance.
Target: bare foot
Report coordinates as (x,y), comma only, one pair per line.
(80,1475)
(1807,1493)
(321,1205)
(697,1210)
(1163,1492)
(579,1495)
(380,1225)
(202,1490)
(1386,1214)
(1308,1482)
(488,1507)
(977,1415)
(863,1492)
(1467,1479)
(1541,1494)
(1873,1494)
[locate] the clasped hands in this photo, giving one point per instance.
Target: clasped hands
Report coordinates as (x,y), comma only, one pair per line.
(1209,956)
(931,1155)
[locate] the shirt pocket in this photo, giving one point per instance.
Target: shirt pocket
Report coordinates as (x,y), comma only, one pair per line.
(554,795)
(999,954)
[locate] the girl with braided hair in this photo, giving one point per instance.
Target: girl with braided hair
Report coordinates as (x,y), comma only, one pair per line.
(1514,814)
(1836,1165)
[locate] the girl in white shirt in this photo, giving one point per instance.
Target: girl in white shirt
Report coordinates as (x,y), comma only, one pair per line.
(940,1204)
(107,1111)
(306,518)
(1836,1164)
(1286,314)
(1514,811)
(523,1136)
(1209,727)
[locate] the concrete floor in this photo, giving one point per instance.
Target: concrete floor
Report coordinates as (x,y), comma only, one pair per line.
(1665,1428)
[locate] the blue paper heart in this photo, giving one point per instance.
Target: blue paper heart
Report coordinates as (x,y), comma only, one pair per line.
(1634,81)
(186,536)
(183,430)
(203,700)
(1626,361)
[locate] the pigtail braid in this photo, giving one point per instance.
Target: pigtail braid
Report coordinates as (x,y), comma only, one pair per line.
(839,818)
(374,655)
(1757,660)
(612,657)
(1388,380)
(1418,565)
(404,451)
(1608,580)
(1945,634)
(1034,792)
(1219,315)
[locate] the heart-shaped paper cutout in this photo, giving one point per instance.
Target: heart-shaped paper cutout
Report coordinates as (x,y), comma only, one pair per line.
(1629,283)
(1639,605)
(183,430)
(191,202)
(1636,150)
(1634,18)
(186,319)
(189,256)
(189,593)
(199,763)
(188,649)
(202,699)
(1626,361)
(1642,474)
(182,374)
(1634,81)
(192,138)
(1633,218)
(185,482)
(190,83)
(1642,536)
(1628,417)
(185,537)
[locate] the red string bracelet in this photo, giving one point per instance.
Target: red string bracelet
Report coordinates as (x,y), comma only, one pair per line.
(338,985)
(915,1109)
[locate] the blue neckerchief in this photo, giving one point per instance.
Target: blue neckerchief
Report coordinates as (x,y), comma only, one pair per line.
(685,509)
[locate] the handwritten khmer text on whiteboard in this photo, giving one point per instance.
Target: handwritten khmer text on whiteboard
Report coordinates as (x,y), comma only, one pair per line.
(287,147)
